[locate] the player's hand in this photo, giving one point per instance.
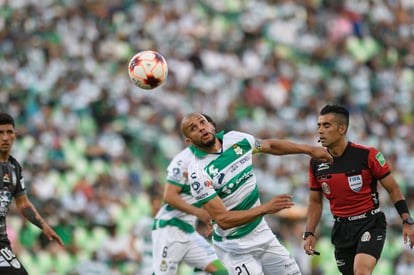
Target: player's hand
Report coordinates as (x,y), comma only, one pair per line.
(321,154)
(309,245)
(278,203)
(204,216)
(408,234)
(51,235)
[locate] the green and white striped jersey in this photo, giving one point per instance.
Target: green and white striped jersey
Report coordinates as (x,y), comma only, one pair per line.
(229,175)
(177,175)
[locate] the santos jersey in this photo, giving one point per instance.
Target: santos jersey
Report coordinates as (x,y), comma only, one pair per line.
(177,175)
(229,175)
(350,182)
(11,185)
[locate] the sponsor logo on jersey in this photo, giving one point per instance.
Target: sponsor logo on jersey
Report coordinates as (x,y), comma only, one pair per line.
(220,178)
(15,263)
(354,218)
(325,188)
(176,174)
(207,183)
(366,237)
(340,262)
(323,166)
(196,186)
(201,197)
(213,171)
(380,158)
(176,171)
(355,183)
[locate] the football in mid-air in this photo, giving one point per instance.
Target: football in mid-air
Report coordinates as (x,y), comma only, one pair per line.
(148,69)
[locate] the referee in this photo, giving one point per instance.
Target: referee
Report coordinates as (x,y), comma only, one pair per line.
(350,185)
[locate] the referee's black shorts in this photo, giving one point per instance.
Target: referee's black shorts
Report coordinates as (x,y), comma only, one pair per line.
(365,235)
(9,264)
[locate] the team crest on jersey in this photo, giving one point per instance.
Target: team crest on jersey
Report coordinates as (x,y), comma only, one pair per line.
(325,188)
(237,149)
(355,183)
(163,266)
(366,237)
(6,178)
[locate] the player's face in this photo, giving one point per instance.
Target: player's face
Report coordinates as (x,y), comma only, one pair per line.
(199,131)
(330,132)
(7,137)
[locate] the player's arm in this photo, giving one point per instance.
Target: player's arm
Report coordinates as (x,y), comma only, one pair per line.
(173,198)
(397,197)
(315,207)
(285,147)
(228,219)
(391,185)
(28,211)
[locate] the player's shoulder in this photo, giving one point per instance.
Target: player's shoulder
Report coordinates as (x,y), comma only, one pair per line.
(182,158)
(183,154)
(363,147)
(14,162)
(237,135)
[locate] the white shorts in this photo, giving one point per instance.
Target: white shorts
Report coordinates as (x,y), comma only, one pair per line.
(258,253)
(170,246)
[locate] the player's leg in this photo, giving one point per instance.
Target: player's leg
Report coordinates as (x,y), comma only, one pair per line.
(169,245)
(276,259)
(201,255)
(370,245)
(345,260)
(240,264)
(344,238)
(364,264)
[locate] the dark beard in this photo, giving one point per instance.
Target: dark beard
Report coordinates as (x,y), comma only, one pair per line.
(208,144)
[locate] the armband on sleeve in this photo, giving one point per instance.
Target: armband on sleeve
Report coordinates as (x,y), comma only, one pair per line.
(257,147)
(401,207)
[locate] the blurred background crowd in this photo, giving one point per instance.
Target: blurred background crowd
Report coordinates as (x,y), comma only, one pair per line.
(93,146)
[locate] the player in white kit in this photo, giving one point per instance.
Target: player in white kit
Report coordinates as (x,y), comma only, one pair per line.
(174,236)
(222,180)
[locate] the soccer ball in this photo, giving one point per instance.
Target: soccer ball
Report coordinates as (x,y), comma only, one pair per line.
(148,69)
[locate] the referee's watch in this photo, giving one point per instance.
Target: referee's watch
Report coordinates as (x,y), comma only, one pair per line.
(409,221)
(307,234)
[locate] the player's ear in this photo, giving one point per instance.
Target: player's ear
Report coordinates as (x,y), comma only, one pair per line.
(188,141)
(342,129)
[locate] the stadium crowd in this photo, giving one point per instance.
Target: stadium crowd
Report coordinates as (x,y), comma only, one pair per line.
(92,144)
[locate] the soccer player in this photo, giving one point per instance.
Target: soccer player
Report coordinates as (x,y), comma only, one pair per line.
(222,180)
(174,234)
(350,185)
(12,186)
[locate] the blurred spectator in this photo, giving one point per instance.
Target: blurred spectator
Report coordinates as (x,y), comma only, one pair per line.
(404,263)
(262,66)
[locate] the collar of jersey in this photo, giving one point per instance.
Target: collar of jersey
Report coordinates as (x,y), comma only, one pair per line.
(198,153)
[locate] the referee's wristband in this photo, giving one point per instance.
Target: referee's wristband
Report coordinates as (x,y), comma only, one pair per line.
(307,234)
(402,207)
